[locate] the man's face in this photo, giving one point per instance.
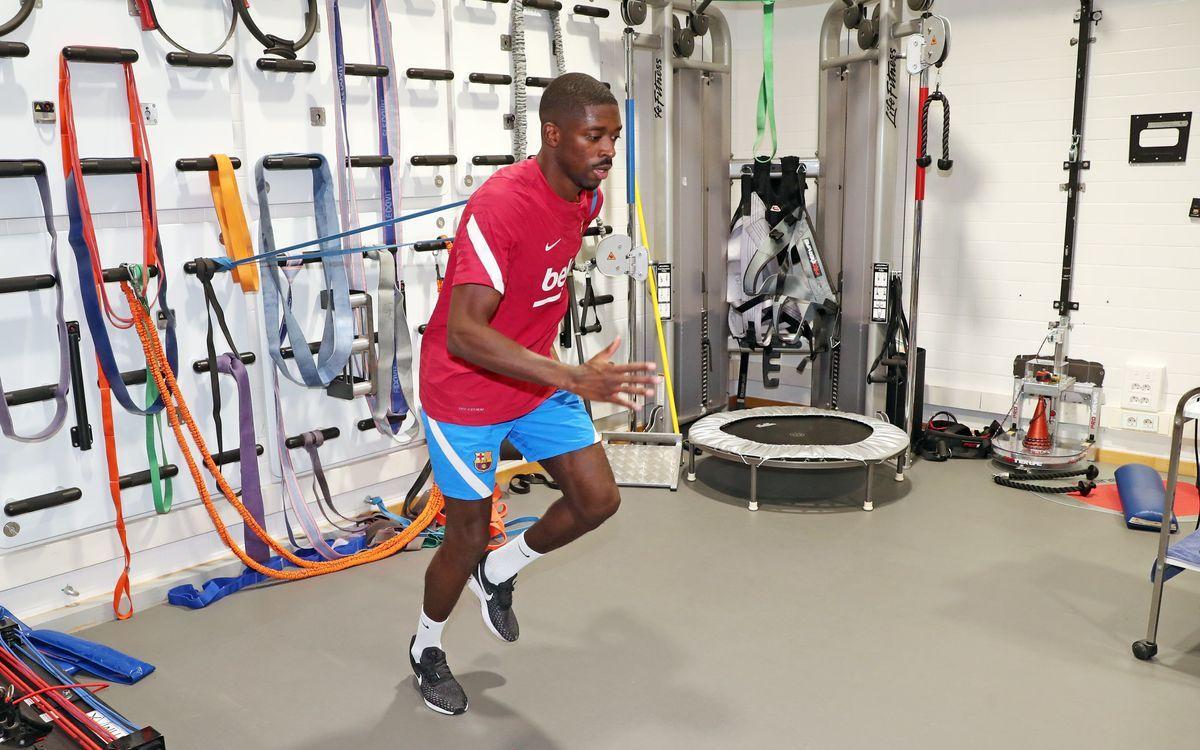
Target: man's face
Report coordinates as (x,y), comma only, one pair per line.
(584,147)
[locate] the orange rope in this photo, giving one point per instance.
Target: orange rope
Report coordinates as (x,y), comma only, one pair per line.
(175,406)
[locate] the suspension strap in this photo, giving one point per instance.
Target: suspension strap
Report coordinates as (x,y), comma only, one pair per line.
(277,45)
(235,233)
(766,88)
(64,353)
(391,377)
(280,320)
(97,306)
(150,22)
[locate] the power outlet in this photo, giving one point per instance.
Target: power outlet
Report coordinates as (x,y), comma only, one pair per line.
(1139,421)
(1144,387)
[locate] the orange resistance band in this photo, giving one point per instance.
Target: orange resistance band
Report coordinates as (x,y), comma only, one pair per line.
(177,410)
(235,234)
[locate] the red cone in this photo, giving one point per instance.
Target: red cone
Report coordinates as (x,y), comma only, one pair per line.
(1038,437)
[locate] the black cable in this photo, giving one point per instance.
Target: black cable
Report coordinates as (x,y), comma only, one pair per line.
(1083,487)
(1090,473)
(163,32)
(277,45)
(521,484)
(22,14)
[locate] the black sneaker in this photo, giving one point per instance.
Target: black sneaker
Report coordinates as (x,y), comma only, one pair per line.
(495,601)
(437,685)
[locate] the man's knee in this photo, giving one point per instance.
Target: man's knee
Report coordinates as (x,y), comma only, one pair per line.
(468,535)
(599,505)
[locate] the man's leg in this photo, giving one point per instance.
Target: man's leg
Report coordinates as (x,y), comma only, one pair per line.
(466,539)
(590,497)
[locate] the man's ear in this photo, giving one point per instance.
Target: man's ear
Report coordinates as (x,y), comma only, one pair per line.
(551,135)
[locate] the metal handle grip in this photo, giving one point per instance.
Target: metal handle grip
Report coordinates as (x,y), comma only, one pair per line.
(105,55)
(199,60)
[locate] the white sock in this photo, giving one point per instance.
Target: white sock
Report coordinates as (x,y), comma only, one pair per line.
(429,635)
(506,562)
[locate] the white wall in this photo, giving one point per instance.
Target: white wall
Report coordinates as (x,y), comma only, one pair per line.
(994,226)
(246,113)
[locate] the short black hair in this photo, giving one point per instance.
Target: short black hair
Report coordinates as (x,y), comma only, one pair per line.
(567,96)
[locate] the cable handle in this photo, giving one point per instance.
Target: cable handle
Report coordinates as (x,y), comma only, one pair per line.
(924,159)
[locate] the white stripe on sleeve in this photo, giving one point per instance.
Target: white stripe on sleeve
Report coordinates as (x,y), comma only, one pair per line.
(484,252)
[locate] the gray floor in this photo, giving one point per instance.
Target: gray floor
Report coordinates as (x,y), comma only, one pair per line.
(958,614)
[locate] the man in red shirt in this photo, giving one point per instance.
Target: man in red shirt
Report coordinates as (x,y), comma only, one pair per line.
(487,372)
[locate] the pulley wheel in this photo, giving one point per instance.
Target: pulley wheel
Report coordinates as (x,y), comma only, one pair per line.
(854,15)
(868,31)
(920,6)
(684,40)
(633,12)
(698,23)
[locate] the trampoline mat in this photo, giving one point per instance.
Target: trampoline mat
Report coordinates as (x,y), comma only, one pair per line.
(816,429)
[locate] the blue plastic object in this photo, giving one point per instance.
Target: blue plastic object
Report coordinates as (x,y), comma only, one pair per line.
(1142,497)
(79,655)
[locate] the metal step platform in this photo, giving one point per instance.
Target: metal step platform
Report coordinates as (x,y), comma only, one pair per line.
(644,459)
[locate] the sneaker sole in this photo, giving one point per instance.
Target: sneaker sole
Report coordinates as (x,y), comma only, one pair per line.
(477,590)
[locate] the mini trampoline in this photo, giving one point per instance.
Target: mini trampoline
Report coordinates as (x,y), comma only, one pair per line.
(796,437)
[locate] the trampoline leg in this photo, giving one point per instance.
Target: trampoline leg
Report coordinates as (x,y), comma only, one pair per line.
(691,474)
(753,487)
(868,504)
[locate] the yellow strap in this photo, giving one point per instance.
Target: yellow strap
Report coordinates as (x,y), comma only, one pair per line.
(234,231)
(653,285)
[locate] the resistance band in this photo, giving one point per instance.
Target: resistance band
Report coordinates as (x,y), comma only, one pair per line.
(97,306)
(277,45)
(235,233)
(520,96)
(652,285)
(64,356)
(179,415)
(281,322)
(145,9)
(15,22)
(390,396)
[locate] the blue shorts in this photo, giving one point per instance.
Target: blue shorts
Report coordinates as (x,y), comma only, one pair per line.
(464,457)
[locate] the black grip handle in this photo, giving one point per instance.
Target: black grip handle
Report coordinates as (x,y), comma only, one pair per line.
(134,377)
(426,246)
(281,65)
(538,82)
(367,71)
(199,60)
(121,273)
(233,455)
(291,162)
(433,160)
(14,49)
(116,165)
(26,283)
(201,365)
(429,74)
(42,502)
(494,79)
(22,167)
(81,433)
(597,231)
(591,10)
(493,160)
(204,164)
(371,161)
(138,478)
(543,4)
(329,433)
(106,55)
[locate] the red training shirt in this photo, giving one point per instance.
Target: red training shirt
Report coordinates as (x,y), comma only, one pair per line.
(519,237)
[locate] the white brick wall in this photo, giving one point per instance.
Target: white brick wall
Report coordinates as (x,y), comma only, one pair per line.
(994,227)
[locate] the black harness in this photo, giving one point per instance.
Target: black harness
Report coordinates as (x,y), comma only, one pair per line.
(277,45)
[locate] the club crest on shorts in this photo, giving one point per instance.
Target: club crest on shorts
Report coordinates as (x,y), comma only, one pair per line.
(483,460)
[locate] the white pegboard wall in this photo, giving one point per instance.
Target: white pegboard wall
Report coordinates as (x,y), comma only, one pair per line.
(247,113)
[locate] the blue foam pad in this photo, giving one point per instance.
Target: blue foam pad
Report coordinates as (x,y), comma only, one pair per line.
(1142,497)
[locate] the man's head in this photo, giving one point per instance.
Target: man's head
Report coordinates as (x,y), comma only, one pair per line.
(580,126)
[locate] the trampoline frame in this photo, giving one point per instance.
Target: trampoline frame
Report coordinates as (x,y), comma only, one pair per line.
(755,464)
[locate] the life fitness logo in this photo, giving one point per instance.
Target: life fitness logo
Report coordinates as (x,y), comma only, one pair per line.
(553,284)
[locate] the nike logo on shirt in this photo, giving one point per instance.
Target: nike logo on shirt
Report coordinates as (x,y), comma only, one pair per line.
(551,246)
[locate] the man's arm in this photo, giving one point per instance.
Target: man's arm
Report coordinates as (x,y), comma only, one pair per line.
(471,337)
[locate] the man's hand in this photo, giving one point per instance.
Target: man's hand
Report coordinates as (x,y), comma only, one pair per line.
(601,380)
